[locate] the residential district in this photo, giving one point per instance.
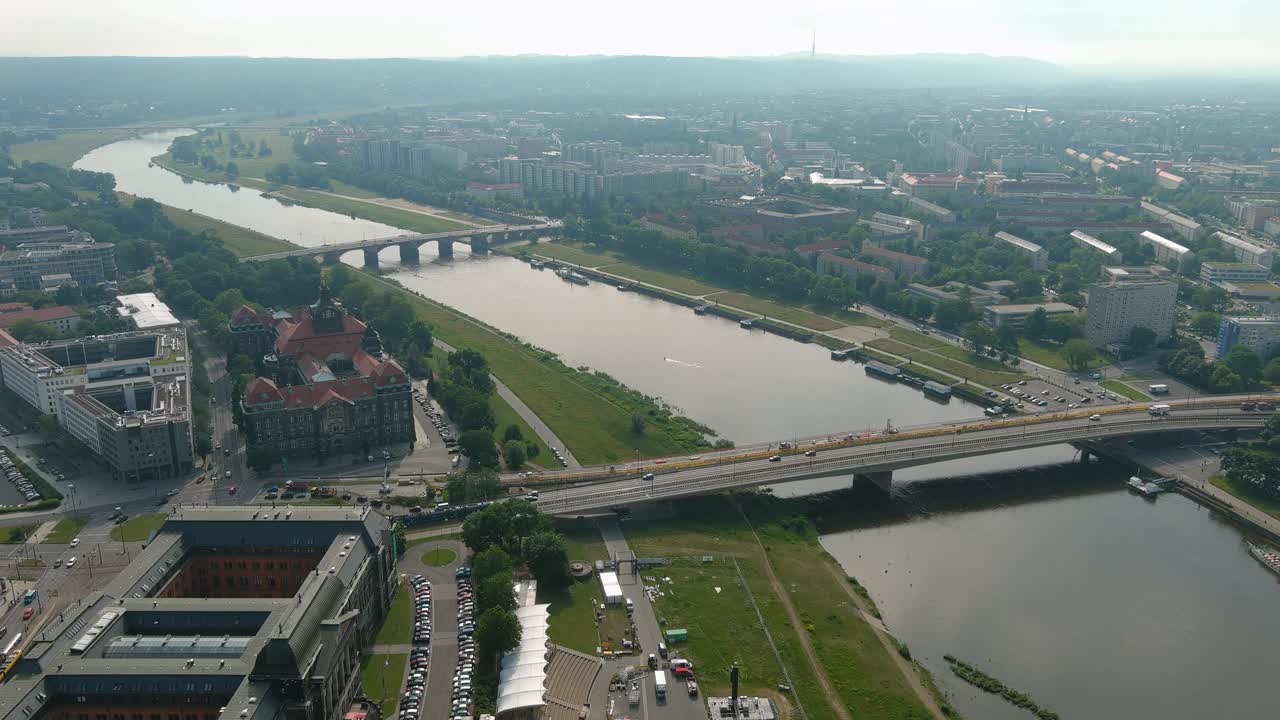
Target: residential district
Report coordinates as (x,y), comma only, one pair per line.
(251,481)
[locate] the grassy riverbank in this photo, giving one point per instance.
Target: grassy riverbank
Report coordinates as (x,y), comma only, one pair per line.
(590,411)
(240,241)
(1248,494)
(67,147)
(723,627)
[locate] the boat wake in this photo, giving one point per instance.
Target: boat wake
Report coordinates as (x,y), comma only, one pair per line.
(681,363)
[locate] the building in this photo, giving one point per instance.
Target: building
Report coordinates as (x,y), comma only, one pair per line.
(1014,163)
(850,270)
(1116,308)
(1169,181)
(227,613)
(1180,224)
(726,154)
(1136,272)
(809,250)
(125,396)
(929,185)
(326,387)
(76,255)
(1016,315)
(1004,287)
(881,223)
(382,154)
(1260,334)
(488,192)
(60,318)
(522,673)
(1166,250)
(902,264)
(749,708)
(1271,228)
(1245,251)
(936,213)
(1215,272)
(1268,291)
(955,291)
(777,214)
(42,233)
(446,156)
(1086,240)
(1038,256)
(1250,213)
(145,311)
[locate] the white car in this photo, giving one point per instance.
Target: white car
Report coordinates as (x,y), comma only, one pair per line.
(71,562)
(75,542)
(1095,418)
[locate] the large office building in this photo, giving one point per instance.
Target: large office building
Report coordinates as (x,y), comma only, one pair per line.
(73,253)
(1260,334)
(326,387)
(227,613)
(125,396)
(1116,308)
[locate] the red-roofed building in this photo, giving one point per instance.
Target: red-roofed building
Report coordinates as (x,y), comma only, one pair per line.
(808,251)
(326,387)
(850,270)
(59,317)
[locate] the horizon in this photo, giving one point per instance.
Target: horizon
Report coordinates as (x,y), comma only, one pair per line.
(1139,33)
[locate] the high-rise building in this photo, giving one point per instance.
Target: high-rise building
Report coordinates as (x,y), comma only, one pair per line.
(73,253)
(418,161)
(1261,334)
(382,154)
(722,154)
(446,156)
(227,613)
(1116,308)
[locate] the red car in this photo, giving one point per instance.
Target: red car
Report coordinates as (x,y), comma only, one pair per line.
(26,614)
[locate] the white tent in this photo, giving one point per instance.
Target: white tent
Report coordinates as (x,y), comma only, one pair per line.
(612,590)
(524,670)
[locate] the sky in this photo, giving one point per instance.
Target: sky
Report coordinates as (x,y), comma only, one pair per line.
(1224,33)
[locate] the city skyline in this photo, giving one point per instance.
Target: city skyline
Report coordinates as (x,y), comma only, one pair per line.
(1140,34)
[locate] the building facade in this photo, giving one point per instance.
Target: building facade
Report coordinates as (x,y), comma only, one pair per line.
(1260,334)
(326,386)
(1116,308)
(76,254)
(1214,272)
(1245,251)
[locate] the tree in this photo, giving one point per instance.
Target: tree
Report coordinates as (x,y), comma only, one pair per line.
(420,336)
(1244,362)
(232,170)
(513,453)
(1036,324)
(1225,380)
(69,295)
(1007,338)
(474,485)
(478,445)
(1272,371)
(30,331)
(261,458)
(1078,354)
(637,424)
(494,591)
(1206,323)
(979,336)
(1271,430)
(950,314)
(513,432)
(548,559)
(492,560)
(498,631)
(1141,339)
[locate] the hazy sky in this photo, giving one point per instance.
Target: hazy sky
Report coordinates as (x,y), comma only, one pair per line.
(1147,32)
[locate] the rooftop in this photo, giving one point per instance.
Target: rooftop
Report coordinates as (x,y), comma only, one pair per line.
(146,311)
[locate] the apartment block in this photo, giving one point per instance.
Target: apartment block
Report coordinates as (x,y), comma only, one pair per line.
(1117,307)
(1038,255)
(1260,334)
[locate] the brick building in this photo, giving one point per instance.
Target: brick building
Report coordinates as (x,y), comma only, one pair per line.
(325,385)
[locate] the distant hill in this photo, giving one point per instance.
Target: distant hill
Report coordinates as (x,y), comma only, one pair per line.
(196,84)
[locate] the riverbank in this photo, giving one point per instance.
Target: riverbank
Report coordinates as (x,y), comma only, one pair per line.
(590,411)
(239,240)
(67,147)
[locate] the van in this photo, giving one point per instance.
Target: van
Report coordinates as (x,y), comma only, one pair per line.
(631,607)
(660,684)
(1159,410)
(662,650)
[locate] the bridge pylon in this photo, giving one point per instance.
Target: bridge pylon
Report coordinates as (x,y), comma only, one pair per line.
(409,253)
(446,248)
(371,258)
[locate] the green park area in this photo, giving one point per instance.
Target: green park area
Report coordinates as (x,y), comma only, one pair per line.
(590,412)
(137,529)
(1125,390)
(242,147)
(66,530)
(775,311)
(380,677)
(395,626)
(16,534)
(439,556)
(783,566)
(568,254)
(67,147)
(573,620)
(373,212)
(240,241)
(1248,493)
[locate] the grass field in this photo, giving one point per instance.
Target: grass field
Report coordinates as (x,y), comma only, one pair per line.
(584,544)
(956,361)
(660,279)
(572,255)
(138,528)
(439,557)
(395,626)
(17,534)
(1124,390)
(853,317)
(1249,494)
(67,147)
(250,165)
(66,530)
(723,627)
(770,309)
(594,421)
(380,677)
(241,241)
(572,622)
(353,207)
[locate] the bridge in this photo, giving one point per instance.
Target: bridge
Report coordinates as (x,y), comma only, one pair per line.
(480,239)
(872,458)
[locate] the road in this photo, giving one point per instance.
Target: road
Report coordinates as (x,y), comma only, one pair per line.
(380,243)
(444,625)
(232,455)
(940,443)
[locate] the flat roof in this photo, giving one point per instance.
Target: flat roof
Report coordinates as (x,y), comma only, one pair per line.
(1155,239)
(146,311)
(1052,307)
(1019,242)
(1093,242)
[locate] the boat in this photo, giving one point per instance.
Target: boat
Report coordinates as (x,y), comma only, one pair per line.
(839,354)
(623,287)
(1146,489)
(700,310)
(535,263)
(748,324)
(1268,557)
(571,276)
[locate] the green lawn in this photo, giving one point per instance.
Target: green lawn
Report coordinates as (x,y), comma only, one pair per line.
(1124,390)
(572,255)
(241,241)
(380,677)
(589,413)
(572,622)
(660,279)
(1249,494)
(854,317)
(964,365)
(395,626)
(138,528)
(439,557)
(723,627)
(414,542)
(775,311)
(251,166)
(17,534)
(914,338)
(395,217)
(584,544)
(351,190)
(66,530)
(66,148)
(506,415)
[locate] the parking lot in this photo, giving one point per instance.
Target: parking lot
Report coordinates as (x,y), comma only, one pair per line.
(1040,395)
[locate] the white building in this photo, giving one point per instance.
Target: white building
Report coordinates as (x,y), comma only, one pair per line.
(145,311)
(1245,251)
(1116,308)
(1039,258)
(1261,334)
(1166,249)
(1109,252)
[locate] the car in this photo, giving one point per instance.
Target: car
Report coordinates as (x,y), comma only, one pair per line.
(227,475)
(811,453)
(160,502)
(1044,392)
(57,563)
(71,562)
(26,614)
(1095,418)
(271,496)
(217,446)
(75,542)
(775,458)
(171,493)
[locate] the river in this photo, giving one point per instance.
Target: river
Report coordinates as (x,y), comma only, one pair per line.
(1098,604)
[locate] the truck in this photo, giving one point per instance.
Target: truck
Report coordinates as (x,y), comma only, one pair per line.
(296,485)
(1158,389)
(1159,410)
(660,684)
(321,492)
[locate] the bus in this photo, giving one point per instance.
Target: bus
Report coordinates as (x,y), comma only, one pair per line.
(12,654)
(29,597)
